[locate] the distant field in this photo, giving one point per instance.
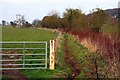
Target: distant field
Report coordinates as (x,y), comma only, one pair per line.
(26,34)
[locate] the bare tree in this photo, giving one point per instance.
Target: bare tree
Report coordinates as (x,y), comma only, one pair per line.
(20,19)
(4,22)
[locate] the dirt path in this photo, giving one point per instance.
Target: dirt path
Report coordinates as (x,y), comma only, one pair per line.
(71,62)
(12,74)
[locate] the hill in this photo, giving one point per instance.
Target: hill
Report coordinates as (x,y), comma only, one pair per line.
(114,13)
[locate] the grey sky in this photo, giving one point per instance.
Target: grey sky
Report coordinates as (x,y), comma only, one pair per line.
(37,9)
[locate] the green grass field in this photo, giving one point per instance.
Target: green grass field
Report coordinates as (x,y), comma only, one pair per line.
(26,34)
(30,34)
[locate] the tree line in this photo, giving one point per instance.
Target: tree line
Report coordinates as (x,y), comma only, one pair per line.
(75,19)
(72,19)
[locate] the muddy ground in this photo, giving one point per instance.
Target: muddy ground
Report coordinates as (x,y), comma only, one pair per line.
(11,74)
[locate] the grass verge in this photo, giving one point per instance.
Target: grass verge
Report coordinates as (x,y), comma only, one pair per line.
(86,61)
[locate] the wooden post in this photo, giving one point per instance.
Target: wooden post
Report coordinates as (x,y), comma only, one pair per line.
(52,54)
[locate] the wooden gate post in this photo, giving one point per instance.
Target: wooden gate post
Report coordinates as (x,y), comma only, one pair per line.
(52,54)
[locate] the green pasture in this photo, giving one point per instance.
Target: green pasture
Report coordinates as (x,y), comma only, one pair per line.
(26,34)
(30,34)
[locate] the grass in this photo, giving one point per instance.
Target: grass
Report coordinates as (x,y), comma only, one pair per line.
(31,34)
(85,59)
(61,69)
(81,54)
(60,61)
(26,34)
(41,73)
(78,53)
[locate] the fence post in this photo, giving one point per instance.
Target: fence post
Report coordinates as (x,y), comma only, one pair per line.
(52,54)
(24,55)
(46,56)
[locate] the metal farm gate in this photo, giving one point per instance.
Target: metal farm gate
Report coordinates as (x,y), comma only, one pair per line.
(23,55)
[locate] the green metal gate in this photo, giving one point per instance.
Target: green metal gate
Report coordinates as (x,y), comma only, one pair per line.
(23,55)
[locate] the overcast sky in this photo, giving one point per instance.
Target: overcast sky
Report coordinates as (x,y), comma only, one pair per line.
(37,9)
